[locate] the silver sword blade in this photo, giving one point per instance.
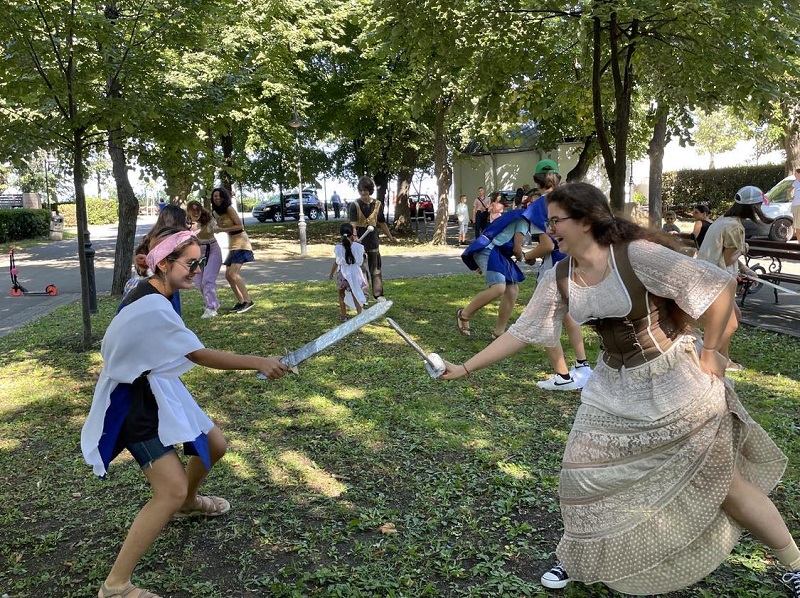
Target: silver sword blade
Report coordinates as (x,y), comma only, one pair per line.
(296,357)
(410,341)
(771,284)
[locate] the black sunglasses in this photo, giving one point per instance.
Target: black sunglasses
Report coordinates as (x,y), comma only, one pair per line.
(194,264)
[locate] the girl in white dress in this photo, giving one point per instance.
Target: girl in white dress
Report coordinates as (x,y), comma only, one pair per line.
(663,467)
(348,268)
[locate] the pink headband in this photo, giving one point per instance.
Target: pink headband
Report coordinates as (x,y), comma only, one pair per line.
(167,246)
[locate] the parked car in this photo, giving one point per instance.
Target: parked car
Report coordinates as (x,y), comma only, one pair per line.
(421,203)
(780,209)
(262,211)
(270,209)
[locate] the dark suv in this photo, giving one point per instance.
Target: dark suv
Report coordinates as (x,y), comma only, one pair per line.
(419,204)
(270,209)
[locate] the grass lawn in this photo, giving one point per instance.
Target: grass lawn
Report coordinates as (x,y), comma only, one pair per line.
(359,477)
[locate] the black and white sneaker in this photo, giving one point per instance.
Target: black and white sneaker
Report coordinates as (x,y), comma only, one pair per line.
(556,578)
(559,382)
(235,308)
(792,581)
(246,306)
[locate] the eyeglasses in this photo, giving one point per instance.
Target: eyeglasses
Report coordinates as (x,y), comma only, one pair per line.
(551,222)
(194,265)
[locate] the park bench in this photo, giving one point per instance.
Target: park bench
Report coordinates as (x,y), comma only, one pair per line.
(11,201)
(775,253)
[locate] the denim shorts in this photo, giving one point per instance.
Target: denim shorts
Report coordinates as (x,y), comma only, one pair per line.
(492,277)
(239,256)
(149,451)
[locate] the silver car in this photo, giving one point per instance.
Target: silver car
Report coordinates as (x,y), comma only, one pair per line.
(779,209)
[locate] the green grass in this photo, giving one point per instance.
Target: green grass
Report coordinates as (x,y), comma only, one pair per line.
(320,463)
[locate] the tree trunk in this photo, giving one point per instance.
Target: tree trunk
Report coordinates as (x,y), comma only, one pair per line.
(128,211)
(585,158)
(656,152)
(227,160)
(83,227)
(381,180)
(442,169)
(791,137)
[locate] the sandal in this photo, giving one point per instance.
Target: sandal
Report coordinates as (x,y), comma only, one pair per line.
(129,591)
(462,323)
(206,506)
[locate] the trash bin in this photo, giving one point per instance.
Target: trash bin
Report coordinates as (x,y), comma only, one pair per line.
(56,227)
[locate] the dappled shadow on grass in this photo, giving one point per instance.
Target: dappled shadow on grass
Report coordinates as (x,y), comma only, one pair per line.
(319,464)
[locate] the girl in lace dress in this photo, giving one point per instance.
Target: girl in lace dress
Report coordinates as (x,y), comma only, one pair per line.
(663,466)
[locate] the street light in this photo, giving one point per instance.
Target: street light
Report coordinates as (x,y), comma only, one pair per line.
(301,220)
(46,180)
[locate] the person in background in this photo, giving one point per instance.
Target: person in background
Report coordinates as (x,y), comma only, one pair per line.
(206,279)
(669,225)
(518,196)
(701,223)
(496,206)
(462,213)
(546,179)
(368,211)
(794,194)
(336,202)
(724,246)
(663,466)
(348,262)
(480,212)
(171,216)
(240,251)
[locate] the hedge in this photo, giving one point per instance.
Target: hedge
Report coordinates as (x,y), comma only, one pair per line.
(17,224)
(98,211)
(683,189)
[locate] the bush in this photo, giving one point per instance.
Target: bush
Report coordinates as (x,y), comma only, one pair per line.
(683,189)
(98,211)
(18,224)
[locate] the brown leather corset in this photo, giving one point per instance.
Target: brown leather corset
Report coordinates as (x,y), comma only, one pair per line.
(646,332)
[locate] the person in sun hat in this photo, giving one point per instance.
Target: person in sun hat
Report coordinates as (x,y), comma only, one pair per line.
(724,245)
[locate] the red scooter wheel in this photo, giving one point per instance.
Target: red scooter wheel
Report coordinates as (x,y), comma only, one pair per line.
(51,290)
(16,292)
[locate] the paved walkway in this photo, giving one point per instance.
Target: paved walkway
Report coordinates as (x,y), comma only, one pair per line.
(57,263)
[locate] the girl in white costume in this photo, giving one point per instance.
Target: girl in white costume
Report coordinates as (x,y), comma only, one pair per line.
(348,268)
(663,467)
(140,403)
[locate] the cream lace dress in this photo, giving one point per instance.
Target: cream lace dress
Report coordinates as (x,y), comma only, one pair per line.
(653,448)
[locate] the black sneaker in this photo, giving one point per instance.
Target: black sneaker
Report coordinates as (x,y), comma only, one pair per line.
(556,578)
(235,308)
(792,580)
(247,306)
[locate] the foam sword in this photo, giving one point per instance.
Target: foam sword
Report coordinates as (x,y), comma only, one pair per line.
(370,228)
(294,358)
(434,364)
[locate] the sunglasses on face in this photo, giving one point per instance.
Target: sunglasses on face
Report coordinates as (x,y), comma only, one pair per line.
(194,265)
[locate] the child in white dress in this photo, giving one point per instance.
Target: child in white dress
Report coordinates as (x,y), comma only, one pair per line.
(347,266)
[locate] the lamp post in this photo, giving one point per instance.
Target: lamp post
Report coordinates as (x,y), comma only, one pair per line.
(46,181)
(301,219)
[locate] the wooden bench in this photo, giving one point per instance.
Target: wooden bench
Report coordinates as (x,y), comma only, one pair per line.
(775,253)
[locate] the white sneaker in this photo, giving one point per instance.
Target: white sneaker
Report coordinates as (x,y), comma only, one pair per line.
(380,299)
(209,313)
(580,373)
(559,383)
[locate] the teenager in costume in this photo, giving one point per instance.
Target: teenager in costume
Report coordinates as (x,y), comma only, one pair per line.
(140,403)
(368,211)
(546,179)
(663,467)
(240,251)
